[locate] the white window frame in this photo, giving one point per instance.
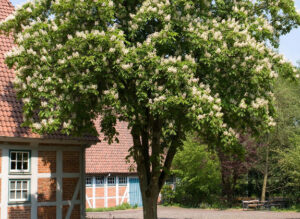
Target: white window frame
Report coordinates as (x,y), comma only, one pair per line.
(102,180)
(88,184)
(111,177)
(124,182)
(22,161)
(21,190)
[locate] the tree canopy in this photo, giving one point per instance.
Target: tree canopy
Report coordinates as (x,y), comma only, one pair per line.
(165,67)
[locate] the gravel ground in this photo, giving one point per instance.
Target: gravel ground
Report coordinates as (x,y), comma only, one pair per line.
(184,213)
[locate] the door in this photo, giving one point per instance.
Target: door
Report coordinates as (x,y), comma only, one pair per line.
(135,196)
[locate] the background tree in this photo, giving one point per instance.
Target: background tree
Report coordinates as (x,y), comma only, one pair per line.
(165,67)
(282,138)
(234,167)
(198,172)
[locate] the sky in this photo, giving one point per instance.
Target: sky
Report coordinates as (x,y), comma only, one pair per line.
(289,44)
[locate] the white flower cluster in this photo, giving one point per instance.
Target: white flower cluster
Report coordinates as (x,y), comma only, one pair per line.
(259,102)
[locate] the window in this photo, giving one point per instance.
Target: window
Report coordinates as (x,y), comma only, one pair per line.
(111,180)
(19,190)
(88,181)
(123,180)
(19,161)
(99,180)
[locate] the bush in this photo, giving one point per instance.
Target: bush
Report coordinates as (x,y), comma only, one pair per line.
(167,195)
(198,171)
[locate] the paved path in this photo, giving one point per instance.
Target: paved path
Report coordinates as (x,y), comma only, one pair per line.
(185,213)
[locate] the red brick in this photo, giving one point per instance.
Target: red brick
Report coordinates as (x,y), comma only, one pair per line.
(47,212)
(111,191)
(46,189)
(111,202)
(71,161)
(69,185)
(47,162)
(122,190)
(99,203)
(19,212)
(0,162)
(99,192)
(75,212)
(89,191)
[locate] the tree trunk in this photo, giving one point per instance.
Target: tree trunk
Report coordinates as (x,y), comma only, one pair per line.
(150,207)
(264,188)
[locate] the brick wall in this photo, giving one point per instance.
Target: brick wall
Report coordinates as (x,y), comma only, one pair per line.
(111,191)
(18,212)
(47,162)
(75,212)
(122,190)
(47,212)
(69,185)
(71,161)
(111,202)
(99,192)
(0,161)
(46,189)
(99,203)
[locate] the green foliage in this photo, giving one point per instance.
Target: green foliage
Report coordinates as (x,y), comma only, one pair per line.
(289,163)
(198,171)
(165,67)
(123,206)
(167,195)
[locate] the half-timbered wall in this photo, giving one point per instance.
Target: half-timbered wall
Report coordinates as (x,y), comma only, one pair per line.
(55,181)
(106,194)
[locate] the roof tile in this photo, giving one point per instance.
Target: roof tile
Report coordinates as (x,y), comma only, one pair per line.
(11,116)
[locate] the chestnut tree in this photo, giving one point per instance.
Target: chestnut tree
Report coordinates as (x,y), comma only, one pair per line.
(166,67)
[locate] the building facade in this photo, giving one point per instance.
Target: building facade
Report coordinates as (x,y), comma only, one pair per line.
(111,179)
(40,176)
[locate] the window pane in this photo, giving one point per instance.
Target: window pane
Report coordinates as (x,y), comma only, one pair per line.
(12,184)
(19,184)
(19,165)
(13,165)
(18,196)
(122,180)
(24,195)
(25,166)
(88,181)
(19,156)
(13,156)
(100,180)
(12,195)
(24,185)
(111,180)
(25,156)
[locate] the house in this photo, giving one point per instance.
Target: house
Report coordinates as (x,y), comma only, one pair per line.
(40,176)
(110,180)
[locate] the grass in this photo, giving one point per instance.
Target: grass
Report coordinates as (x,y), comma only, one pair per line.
(123,206)
(293,208)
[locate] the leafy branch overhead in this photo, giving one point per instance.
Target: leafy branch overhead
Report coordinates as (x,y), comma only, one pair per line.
(190,64)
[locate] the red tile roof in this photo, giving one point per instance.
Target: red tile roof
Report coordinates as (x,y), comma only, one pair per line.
(105,158)
(10,107)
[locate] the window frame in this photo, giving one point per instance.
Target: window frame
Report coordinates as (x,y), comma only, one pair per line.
(111,184)
(123,183)
(20,171)
(91,184)
(28,191)
(99,184)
